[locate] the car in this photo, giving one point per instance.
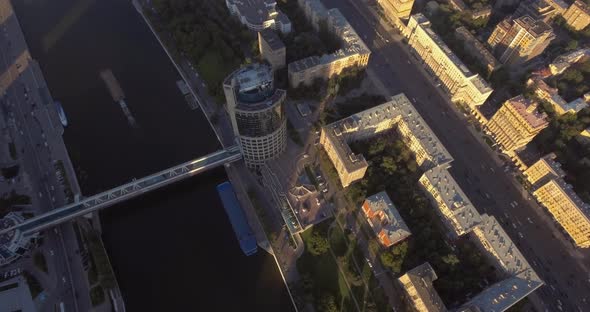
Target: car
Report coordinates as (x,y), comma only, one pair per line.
(325,190)
(317,201)
(369,263)
(63,279)
(520,234)
(51,252)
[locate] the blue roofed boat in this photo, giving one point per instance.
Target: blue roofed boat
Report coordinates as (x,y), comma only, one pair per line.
(237,218)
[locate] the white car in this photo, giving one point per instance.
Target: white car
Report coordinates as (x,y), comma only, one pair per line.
(51,252)
(369,263)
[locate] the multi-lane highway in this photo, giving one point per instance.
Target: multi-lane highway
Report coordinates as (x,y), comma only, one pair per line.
(475,168)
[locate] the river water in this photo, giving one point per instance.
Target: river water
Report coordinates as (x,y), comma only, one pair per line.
(174,249)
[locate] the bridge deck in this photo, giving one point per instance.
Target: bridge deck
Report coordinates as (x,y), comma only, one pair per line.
(127,191)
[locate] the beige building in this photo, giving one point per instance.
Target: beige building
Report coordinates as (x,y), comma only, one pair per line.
(272,49)
(399,113)
(421,294)
(477,49)
(457,212)
(516,41)
(577,15)
(543,170)
(354,52)
(567,208)
(516,123)
(396,10)
(462,85)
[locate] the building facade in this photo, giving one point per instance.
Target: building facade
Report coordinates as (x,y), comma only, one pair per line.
(577,15)
(399,113)
(538,9)
(457,212)
(272,49)
(516,123)
(455,78)
(384,219)
(516,41)
(543,170)
(259,14)
(477,49)
(421,294)
(257,113)
(396,10)
(567,209)
(353,54)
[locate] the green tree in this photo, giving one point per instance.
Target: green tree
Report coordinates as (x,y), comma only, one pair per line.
(388,164)
(571,45)
(450,259)
(318,244)
(327,304)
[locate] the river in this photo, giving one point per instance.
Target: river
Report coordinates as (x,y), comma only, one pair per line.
(174,249)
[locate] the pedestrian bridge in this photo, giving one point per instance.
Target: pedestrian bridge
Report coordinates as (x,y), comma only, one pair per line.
(127,191)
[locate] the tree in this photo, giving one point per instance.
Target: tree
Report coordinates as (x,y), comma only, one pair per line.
(571,45)
(450,259)
(318,244)
(327,304)
(388,164)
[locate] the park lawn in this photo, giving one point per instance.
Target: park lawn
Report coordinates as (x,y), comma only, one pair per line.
(327,279)
(213,69)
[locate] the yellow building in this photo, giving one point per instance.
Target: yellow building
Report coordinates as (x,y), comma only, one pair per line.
(421,294)
(462,85)
(516,41)
(567,208)
(354,52)
(272,49)
(543,170)
(577,15)
(396,10)
(516,123)
(419,138)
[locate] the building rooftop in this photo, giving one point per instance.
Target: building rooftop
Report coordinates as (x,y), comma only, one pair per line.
(569,192)
(464,213)
(422,277)
(272,39)
(420,130)
(575,105)
(387,217)
(522,278)
(258,11)
(528,111)
(479,83)
(536,28)
(351,41)
(549,161)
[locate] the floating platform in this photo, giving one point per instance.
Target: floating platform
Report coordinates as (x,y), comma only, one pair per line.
(237,218)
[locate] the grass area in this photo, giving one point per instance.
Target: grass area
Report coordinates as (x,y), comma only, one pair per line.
(213,68)
(320,276)
(97,295)
(329,169)
(39,261)
(34,285)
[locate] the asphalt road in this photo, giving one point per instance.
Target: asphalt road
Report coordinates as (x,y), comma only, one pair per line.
(33,134)
(475,167)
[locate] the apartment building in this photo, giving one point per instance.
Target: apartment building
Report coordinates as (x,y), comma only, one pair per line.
(272,49)
(396,10)
(455,78)
(421,294)
(354,52)
(521,279)
(516,41)
(457,212)
(516,123)
(543,10)
(543,170)
(567,209)
(384,219)
(398,113)
(577,15)
(477,49)
(551,96)
(259,14)
(563,62)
